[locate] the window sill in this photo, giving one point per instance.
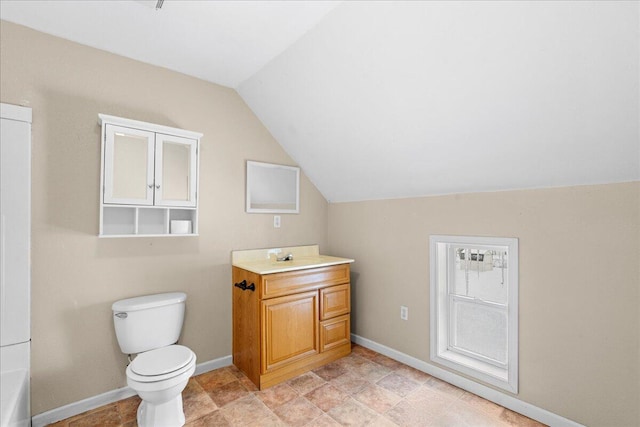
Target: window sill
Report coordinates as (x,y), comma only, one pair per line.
(474,368)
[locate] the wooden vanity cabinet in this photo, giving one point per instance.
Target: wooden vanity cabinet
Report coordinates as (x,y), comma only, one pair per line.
(291,322)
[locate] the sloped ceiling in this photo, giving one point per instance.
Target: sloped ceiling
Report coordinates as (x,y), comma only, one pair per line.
(398,99)
(224,42)
(388,99)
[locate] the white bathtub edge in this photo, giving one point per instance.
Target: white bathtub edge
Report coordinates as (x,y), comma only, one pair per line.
(14,405)
(14,367)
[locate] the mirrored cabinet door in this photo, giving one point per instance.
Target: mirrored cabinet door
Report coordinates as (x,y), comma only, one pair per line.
(129,170)
(176,169)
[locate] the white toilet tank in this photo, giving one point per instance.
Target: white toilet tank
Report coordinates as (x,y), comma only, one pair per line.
(148,322)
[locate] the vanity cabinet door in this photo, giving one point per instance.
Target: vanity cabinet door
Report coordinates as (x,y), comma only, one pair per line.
(289,329)
(128,166)
(175,171)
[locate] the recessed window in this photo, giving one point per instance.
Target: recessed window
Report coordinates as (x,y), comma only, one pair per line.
(474,307)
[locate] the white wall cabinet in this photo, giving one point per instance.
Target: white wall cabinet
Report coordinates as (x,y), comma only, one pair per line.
(149,179)
(15,223)
(15,264)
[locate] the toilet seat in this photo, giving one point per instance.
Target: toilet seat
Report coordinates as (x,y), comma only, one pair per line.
(161,364)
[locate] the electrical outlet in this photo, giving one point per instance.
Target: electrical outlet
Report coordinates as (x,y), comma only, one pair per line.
(404,312)
(276,221)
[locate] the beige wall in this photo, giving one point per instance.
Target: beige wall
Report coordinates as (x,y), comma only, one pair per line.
(579,285)
(75,275)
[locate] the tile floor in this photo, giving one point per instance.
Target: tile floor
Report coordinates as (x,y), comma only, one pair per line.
(362,389)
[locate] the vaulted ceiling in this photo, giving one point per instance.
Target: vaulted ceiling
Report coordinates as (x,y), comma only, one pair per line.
(399,99)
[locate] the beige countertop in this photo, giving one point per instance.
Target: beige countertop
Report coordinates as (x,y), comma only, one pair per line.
(263,261)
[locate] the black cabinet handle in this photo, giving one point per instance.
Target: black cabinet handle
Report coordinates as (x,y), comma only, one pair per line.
(243,285)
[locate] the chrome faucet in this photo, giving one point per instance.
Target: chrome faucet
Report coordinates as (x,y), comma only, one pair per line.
(287,257)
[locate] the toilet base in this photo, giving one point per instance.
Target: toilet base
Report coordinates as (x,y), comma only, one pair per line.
(167,414)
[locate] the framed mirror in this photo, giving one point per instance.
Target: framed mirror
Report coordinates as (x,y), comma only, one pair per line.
(272,188)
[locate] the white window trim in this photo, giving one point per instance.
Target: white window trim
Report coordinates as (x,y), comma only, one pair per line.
(504,378)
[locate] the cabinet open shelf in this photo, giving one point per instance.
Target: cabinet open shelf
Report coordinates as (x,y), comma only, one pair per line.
(138,221)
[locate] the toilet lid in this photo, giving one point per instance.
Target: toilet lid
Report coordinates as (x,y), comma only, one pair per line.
(162,360)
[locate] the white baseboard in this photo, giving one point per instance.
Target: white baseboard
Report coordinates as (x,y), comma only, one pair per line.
(93,402)
(517,405)
(220,362)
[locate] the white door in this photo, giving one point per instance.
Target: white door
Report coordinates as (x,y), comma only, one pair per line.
(15,224)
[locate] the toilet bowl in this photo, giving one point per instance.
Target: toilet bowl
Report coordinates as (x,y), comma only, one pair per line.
(159,377)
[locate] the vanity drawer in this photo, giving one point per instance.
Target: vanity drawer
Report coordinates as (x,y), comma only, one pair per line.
(334,301)
(335,332)
(278,284)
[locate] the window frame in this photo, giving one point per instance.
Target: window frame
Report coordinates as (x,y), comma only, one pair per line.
(441,351)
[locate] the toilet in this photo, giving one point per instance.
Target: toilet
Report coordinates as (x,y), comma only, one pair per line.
(149,326)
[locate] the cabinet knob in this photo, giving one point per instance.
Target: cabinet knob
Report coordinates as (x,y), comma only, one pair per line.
(157,185)
(150,185)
